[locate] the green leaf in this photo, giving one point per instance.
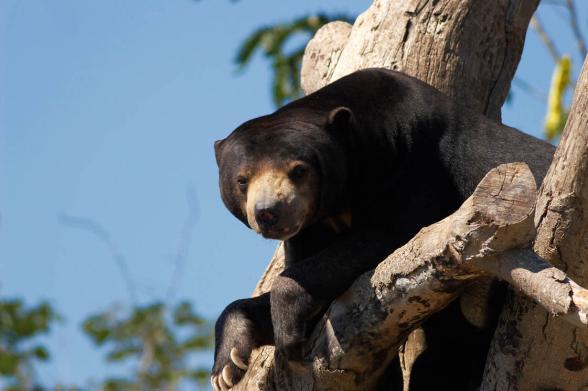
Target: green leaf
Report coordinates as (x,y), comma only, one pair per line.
(99,327)
(8,363)
(272,41)
(115,384)
(250,45)
(123,352)
(40,352)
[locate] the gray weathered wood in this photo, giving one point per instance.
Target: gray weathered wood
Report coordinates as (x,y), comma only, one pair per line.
(532,349)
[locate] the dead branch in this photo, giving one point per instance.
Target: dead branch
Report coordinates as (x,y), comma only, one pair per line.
(575,26)
(104,236)
(545,38)
(183,246)
(540,281)
(542,341)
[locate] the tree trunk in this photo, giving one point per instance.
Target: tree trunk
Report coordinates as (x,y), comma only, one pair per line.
(532,349)
(468,49)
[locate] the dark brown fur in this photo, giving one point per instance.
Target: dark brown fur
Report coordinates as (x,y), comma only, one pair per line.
(395,155)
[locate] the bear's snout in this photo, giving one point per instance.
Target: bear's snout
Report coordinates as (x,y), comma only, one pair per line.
(278,205)
(267,217)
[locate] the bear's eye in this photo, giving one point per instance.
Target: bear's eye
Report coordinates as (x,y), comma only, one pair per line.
(298,172)
(242,183)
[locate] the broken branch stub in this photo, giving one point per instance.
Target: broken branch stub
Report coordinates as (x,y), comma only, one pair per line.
(542,282)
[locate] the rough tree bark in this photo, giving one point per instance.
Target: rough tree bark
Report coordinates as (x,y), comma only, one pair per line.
(469,49)
(528,338)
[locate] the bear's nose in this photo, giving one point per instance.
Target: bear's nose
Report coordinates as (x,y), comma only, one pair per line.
(266,217)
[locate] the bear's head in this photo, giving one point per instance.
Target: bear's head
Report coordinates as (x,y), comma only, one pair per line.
(283,172)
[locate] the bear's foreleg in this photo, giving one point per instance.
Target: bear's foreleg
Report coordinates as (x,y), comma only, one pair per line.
(243,326)
(304,291)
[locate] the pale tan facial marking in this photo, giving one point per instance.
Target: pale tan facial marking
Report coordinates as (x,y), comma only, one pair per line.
(269,187)
(272,185)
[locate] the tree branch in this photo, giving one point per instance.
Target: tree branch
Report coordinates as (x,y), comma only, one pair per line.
(580,42)
(364,328)
(183,246)
(558,348)
(102,233)
(539,280)
(538,26)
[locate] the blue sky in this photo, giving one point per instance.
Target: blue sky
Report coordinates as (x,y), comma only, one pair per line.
(108,110)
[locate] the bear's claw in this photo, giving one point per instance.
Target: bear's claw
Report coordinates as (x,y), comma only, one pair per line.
(237,360)
(230,373)
(218,383)
(226,376)
(215,385)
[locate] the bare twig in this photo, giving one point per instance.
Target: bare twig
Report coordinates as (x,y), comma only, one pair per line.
(530,89)
(101,233)
(536,24)
(580,41)
(183,244)
(146,359)
(179,257)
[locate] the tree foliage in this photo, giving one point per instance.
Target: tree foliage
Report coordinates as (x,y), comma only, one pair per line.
(157,339)
(274,41)
(19,346)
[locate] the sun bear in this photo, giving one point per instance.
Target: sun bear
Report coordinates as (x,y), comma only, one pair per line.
(344,176)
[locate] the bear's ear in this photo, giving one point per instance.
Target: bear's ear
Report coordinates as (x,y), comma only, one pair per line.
(339,118)
(218,145)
